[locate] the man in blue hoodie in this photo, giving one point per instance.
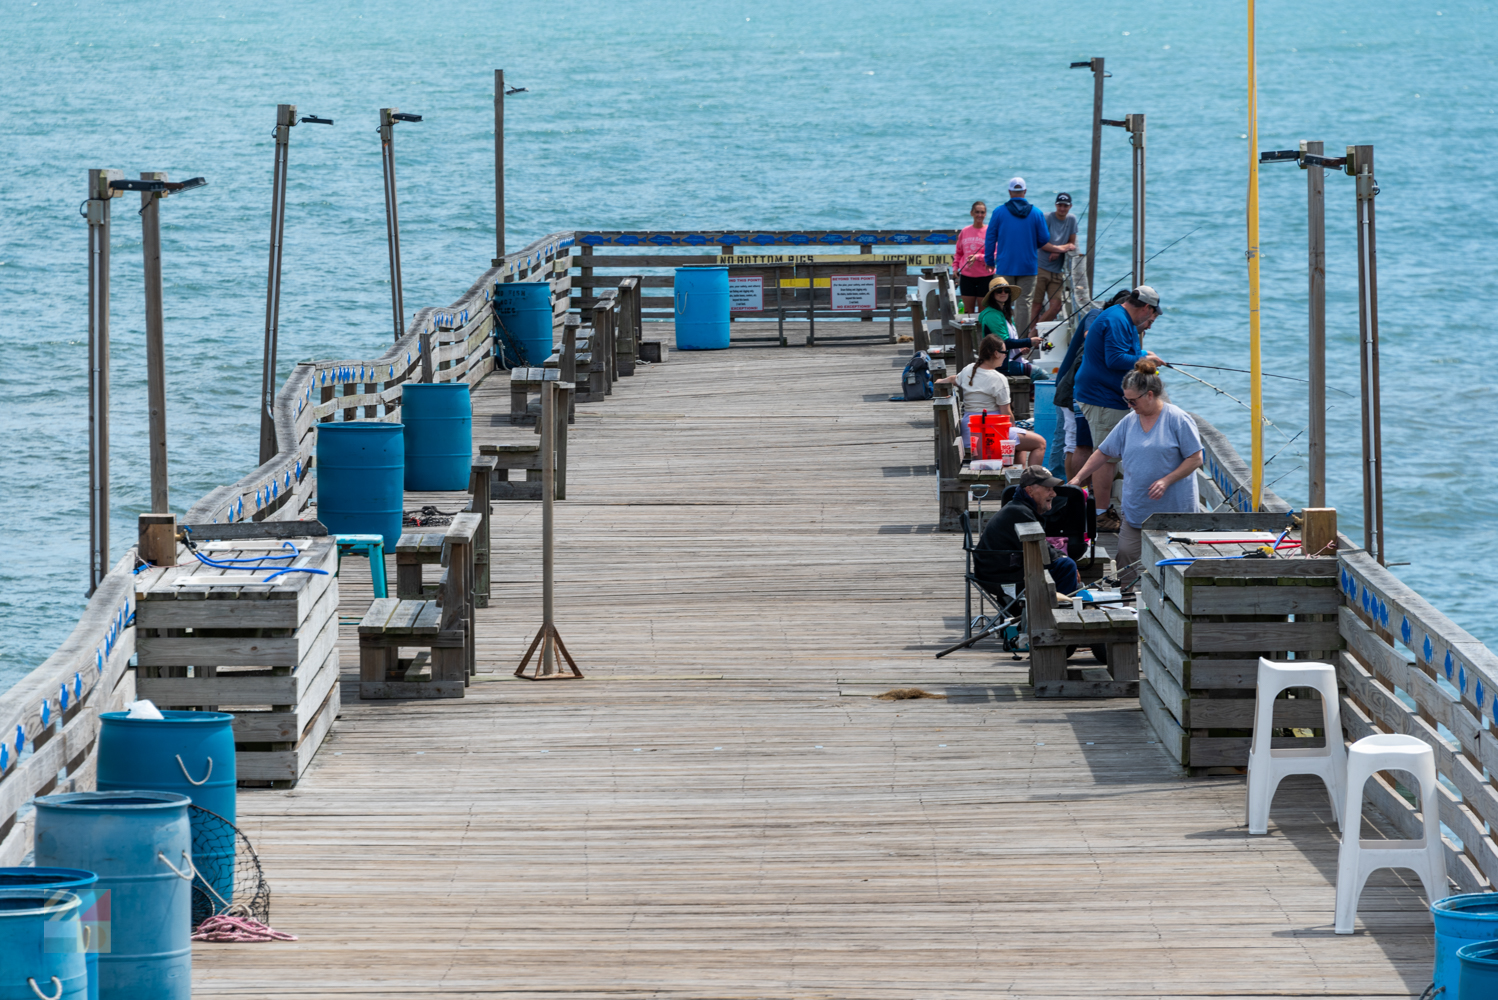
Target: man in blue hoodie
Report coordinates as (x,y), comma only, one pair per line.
(1016,235)
(1115,341)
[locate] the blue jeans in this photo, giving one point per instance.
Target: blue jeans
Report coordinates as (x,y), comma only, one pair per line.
(1064,572)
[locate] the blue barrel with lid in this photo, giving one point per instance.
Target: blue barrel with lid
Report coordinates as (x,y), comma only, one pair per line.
(361,475)
(57,882)
(42,945)
(523,323)
(139,843)
(701,308)
(438,422)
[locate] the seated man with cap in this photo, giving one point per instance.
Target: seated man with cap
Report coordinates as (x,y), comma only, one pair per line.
(1115,341)
(998,557)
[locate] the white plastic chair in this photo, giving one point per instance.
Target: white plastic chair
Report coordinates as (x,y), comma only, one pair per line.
(1266,766)
(1358,858)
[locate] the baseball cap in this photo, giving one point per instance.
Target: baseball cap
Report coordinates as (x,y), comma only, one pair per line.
(1038,475)
(1063,198)
(1017,184)
(1147,295)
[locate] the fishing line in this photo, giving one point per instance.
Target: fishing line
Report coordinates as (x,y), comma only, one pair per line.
(1288,378)
(1223,392)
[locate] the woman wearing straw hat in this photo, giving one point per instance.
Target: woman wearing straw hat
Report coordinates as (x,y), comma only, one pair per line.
(996,319)
(983,384)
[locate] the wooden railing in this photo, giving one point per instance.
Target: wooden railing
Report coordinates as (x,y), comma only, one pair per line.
(1441,695)
(49,722)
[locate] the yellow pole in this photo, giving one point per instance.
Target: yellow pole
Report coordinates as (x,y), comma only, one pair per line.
(1256,397)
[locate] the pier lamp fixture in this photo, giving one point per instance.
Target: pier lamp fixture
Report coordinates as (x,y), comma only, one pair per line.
(1134,125)
(389,118)
(1357,163)
(286,119)
(1095,64)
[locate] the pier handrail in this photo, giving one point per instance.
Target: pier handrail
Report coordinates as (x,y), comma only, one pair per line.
(1227,469)
(1452,681)
(54,710)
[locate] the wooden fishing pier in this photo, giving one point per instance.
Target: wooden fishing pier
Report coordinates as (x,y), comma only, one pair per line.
(749,552)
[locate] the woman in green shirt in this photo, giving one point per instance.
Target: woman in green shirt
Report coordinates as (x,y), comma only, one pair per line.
(996,318)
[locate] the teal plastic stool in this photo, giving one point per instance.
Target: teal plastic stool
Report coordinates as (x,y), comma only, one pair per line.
(371,547)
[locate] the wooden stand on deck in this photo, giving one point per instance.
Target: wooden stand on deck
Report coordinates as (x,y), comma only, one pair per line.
(1052,632)
(547,638)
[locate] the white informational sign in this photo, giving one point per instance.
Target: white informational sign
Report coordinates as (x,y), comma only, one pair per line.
(746,294)
(852,291)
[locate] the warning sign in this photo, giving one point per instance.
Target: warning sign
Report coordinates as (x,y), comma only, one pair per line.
(746,294)
(852,291)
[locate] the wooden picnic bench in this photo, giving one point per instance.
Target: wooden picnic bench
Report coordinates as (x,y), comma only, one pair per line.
(439,624)
(1053,631)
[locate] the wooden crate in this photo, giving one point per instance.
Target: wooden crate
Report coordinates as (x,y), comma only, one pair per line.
(217,639)
(1203,628)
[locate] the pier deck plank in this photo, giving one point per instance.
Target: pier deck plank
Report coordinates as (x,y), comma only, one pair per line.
(721,809)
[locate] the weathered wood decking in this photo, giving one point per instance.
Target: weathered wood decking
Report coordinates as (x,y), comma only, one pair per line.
(721,810)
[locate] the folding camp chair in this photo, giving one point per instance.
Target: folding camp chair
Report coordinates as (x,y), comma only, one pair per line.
(1007,609)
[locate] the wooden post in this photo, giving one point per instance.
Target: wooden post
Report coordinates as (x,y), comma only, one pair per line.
(1360,165)
(424,345)
(150,227)
(285,119)
(1097,153)
(156,539)
(499,167)
(1135,125)
(1047,663)
(584,276)
(920,341)
(1318,531)
(547,638)
(97,213)
(392,218)
(1316,249)
(867,316)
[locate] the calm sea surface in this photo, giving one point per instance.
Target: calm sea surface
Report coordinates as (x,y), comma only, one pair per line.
(734,114)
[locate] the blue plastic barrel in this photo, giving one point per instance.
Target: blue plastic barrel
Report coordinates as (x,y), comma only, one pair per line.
(1479,972)
(1461,920)
(522,311)
(190,753)
(1045,409)
(701,308)
(81,884)
(139,844)
(438,418)
(41,942)
(361,474)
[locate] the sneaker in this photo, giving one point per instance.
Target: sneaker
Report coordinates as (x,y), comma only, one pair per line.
(1109,520)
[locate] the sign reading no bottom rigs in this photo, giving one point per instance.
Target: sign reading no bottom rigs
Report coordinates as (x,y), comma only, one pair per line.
(746,294)
(852,291)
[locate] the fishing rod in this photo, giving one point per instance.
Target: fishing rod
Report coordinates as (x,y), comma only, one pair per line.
(1098,297)
(1223,392)
(1288,378)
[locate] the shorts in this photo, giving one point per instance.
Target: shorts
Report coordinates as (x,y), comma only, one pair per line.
(1077,433)
(973,286)
(1047,284)
(1101,420)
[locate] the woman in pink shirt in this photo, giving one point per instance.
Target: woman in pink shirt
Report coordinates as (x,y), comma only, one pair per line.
(973,275)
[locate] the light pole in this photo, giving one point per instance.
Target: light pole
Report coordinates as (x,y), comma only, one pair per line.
(96,211)
(1098,76)
(388,119)
(285,119)
(1134,125)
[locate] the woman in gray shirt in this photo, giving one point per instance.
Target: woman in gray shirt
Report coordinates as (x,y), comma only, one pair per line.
(1159,448)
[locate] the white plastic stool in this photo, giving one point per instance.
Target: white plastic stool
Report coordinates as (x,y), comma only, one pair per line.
(1266,766)
(1359,858)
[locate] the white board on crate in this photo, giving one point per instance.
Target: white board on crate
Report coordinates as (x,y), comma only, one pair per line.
(853,291)
(746,294)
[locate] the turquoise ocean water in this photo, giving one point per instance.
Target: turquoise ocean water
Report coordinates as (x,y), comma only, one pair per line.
(774,115)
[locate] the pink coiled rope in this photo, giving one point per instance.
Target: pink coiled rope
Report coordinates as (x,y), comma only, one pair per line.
(238,930)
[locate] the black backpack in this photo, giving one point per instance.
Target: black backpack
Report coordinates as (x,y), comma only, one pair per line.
(916,379)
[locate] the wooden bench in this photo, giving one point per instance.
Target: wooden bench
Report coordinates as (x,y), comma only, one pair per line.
(440,624)
(1053,631)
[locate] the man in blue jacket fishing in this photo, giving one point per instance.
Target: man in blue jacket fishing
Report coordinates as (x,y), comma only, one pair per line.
(1115,341)
(1016,235)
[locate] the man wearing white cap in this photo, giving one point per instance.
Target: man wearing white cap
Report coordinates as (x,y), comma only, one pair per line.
(1017,233)
(1115,341)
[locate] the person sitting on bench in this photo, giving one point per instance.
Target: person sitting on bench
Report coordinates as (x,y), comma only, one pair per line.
(998,557)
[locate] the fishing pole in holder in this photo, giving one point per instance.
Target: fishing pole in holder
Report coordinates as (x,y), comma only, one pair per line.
(286,120)
(389,118)
(1358,164)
